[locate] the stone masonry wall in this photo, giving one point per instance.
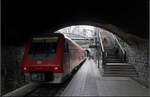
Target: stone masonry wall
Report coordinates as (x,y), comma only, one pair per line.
(138,55)
(12,75)
(137,52)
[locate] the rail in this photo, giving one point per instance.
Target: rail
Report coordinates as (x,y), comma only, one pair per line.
(20,92)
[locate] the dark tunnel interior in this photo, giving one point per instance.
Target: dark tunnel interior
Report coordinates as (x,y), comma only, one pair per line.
(21,18)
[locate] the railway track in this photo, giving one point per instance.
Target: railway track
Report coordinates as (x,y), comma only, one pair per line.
(42,89)
(47,89)
(39,89)
(22,91)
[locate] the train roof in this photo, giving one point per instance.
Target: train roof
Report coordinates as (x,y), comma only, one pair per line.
(46,34)
(73,41)
(56,34)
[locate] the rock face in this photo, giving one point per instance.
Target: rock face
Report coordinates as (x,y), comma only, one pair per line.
(138,55)
(12,75)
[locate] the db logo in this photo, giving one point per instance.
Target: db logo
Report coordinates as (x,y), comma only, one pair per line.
(39,62)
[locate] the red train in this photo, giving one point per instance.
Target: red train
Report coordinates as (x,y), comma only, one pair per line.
(51,58)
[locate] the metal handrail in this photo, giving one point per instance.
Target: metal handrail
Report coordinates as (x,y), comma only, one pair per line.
(101,42)
(123,51)
(102,48)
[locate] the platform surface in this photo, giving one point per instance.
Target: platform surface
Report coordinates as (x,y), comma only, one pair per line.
(89,82)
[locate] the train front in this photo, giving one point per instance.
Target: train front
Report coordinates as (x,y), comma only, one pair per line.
(42,59)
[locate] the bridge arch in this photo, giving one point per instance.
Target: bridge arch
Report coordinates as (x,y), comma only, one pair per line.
(137,47)
(129,38)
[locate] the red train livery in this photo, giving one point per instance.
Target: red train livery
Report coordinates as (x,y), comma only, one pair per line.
(51,58)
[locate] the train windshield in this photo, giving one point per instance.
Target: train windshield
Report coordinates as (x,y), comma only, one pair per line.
(43,48)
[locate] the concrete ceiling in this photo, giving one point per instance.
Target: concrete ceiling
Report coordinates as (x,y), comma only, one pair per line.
(23,18)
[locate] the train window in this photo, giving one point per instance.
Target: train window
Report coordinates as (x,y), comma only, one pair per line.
(43,48)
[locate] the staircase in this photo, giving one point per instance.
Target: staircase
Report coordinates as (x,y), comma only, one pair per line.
(111,57)
(116,67)
(119,70)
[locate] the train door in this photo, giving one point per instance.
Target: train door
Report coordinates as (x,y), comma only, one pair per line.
(66,58)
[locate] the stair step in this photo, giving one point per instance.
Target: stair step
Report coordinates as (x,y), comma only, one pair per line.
(119,69)
(112,56)
(118,75)
(118,64)
(115,57)
(113,60)
(119,72)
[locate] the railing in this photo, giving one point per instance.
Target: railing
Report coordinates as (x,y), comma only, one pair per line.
(122,52)
(102,50)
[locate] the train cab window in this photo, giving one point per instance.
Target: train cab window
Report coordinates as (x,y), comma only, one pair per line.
(43,48)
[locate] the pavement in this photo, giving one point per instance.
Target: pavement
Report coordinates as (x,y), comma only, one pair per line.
(88,81)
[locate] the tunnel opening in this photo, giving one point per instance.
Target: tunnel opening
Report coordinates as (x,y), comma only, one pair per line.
(93,38)
(137,51)
(128,21)
(134,49)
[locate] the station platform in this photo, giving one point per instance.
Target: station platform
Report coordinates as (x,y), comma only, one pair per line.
(88,81)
